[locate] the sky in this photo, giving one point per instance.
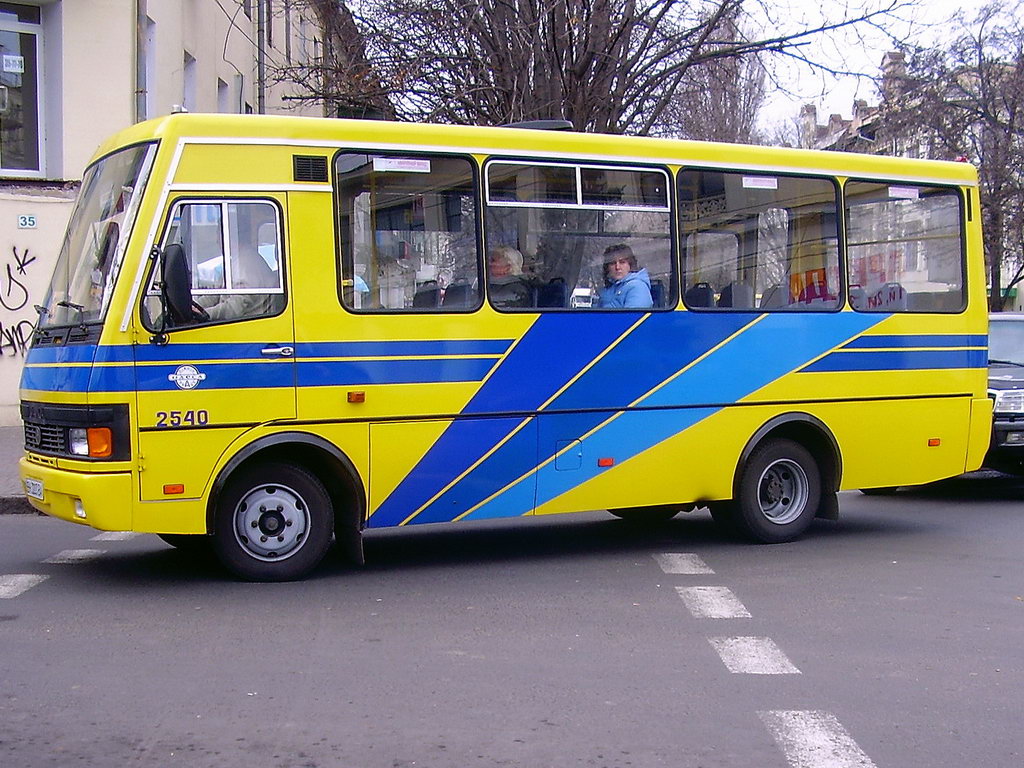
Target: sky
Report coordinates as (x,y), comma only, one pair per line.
(923,21)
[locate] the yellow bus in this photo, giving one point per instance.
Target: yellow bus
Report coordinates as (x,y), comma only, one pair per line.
(267,333)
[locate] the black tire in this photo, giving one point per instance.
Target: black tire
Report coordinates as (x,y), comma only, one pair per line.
(191,544)
(274,523)
(646,515)
(779,491)
(887,490)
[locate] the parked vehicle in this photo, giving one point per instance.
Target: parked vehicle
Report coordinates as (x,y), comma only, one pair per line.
(1006,388)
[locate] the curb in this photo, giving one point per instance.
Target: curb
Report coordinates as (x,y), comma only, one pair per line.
(16,505)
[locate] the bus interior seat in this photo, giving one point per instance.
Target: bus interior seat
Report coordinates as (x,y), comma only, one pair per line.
(458,294)
(700,295)
(552,293)
(858,297)
(657,293)
(772,297)
(737,295)
(427,294)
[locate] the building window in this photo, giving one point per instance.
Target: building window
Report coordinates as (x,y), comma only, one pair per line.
(21,126)
(188,96)
(145,69)
(223,97)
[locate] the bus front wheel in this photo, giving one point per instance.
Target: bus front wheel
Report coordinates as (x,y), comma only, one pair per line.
(778,493)
(274,523)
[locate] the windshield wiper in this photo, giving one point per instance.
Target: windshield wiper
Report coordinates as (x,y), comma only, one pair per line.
(42,312)
(79,309)
(992,361)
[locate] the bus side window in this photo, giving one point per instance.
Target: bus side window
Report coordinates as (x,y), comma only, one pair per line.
(407,233)
(755,241)
(905,247)
(564,219)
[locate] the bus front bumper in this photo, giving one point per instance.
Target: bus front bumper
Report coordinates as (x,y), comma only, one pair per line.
(100,500)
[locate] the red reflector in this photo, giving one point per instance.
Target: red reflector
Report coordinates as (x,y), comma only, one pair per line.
(606,462)
(357,397)
(173,489)
(933,441)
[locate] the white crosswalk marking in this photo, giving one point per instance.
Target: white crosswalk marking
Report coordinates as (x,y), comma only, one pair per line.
(13,584)
(713,603)
(682,563)
(115,536)
(74,556)
(814,740)
(753,656)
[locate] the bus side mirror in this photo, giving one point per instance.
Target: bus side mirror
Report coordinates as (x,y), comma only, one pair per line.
(177,286)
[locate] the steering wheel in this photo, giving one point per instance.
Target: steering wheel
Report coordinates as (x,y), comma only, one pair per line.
(199,313)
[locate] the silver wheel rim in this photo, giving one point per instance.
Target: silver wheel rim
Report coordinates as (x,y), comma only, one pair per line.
(271,522)
(782,491)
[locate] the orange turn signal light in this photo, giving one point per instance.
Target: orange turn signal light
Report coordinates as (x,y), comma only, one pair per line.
(357,397)
(933,441)
(101,442)
(606,462)
(174,488)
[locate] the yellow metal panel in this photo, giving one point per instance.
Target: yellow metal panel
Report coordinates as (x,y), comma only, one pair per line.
(395,448)
(186,457)
(105,497)
(980,434)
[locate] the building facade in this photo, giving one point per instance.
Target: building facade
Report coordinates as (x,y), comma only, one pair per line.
(73,72)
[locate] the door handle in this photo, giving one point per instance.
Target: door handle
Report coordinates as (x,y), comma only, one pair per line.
(282,351)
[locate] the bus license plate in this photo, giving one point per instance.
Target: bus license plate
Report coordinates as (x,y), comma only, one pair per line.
(34,488)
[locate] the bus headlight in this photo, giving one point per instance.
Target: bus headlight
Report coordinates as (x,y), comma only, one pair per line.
(79,442)
(96,442)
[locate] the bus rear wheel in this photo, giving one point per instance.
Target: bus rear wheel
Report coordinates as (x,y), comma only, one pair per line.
(779,491)
(274,523)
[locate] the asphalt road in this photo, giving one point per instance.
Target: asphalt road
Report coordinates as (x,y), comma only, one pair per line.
(891,638)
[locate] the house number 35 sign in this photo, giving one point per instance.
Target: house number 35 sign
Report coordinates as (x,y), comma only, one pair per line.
(26,221)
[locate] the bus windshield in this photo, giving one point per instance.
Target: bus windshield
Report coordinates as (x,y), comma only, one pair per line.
(93,249)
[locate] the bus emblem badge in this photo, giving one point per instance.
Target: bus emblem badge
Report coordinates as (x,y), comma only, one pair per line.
(187,377)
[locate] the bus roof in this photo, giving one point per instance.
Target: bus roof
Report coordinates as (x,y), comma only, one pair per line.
(538,144)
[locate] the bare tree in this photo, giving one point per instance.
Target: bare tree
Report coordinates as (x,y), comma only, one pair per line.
(719,100)
(966,100)
(336,71)
(610,66)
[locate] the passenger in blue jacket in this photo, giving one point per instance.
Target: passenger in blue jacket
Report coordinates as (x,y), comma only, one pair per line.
(626,286)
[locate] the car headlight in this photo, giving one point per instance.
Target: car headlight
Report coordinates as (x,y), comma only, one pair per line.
(1008,400)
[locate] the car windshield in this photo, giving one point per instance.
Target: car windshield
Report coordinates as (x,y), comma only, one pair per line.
(1006,341)
(93,249)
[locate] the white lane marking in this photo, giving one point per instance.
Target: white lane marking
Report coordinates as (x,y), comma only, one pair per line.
(753,656)
(713,603)
(13,584)
(679,562)
(115,536)
(814,740)
(74,556)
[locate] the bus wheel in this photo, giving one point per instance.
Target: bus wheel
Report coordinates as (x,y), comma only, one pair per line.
(779,492)
(274,523)
(646,515)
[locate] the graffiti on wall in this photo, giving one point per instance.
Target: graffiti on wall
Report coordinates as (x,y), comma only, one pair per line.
(17,316)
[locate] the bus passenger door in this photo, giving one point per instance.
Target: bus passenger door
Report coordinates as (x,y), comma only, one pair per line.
(229,366)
